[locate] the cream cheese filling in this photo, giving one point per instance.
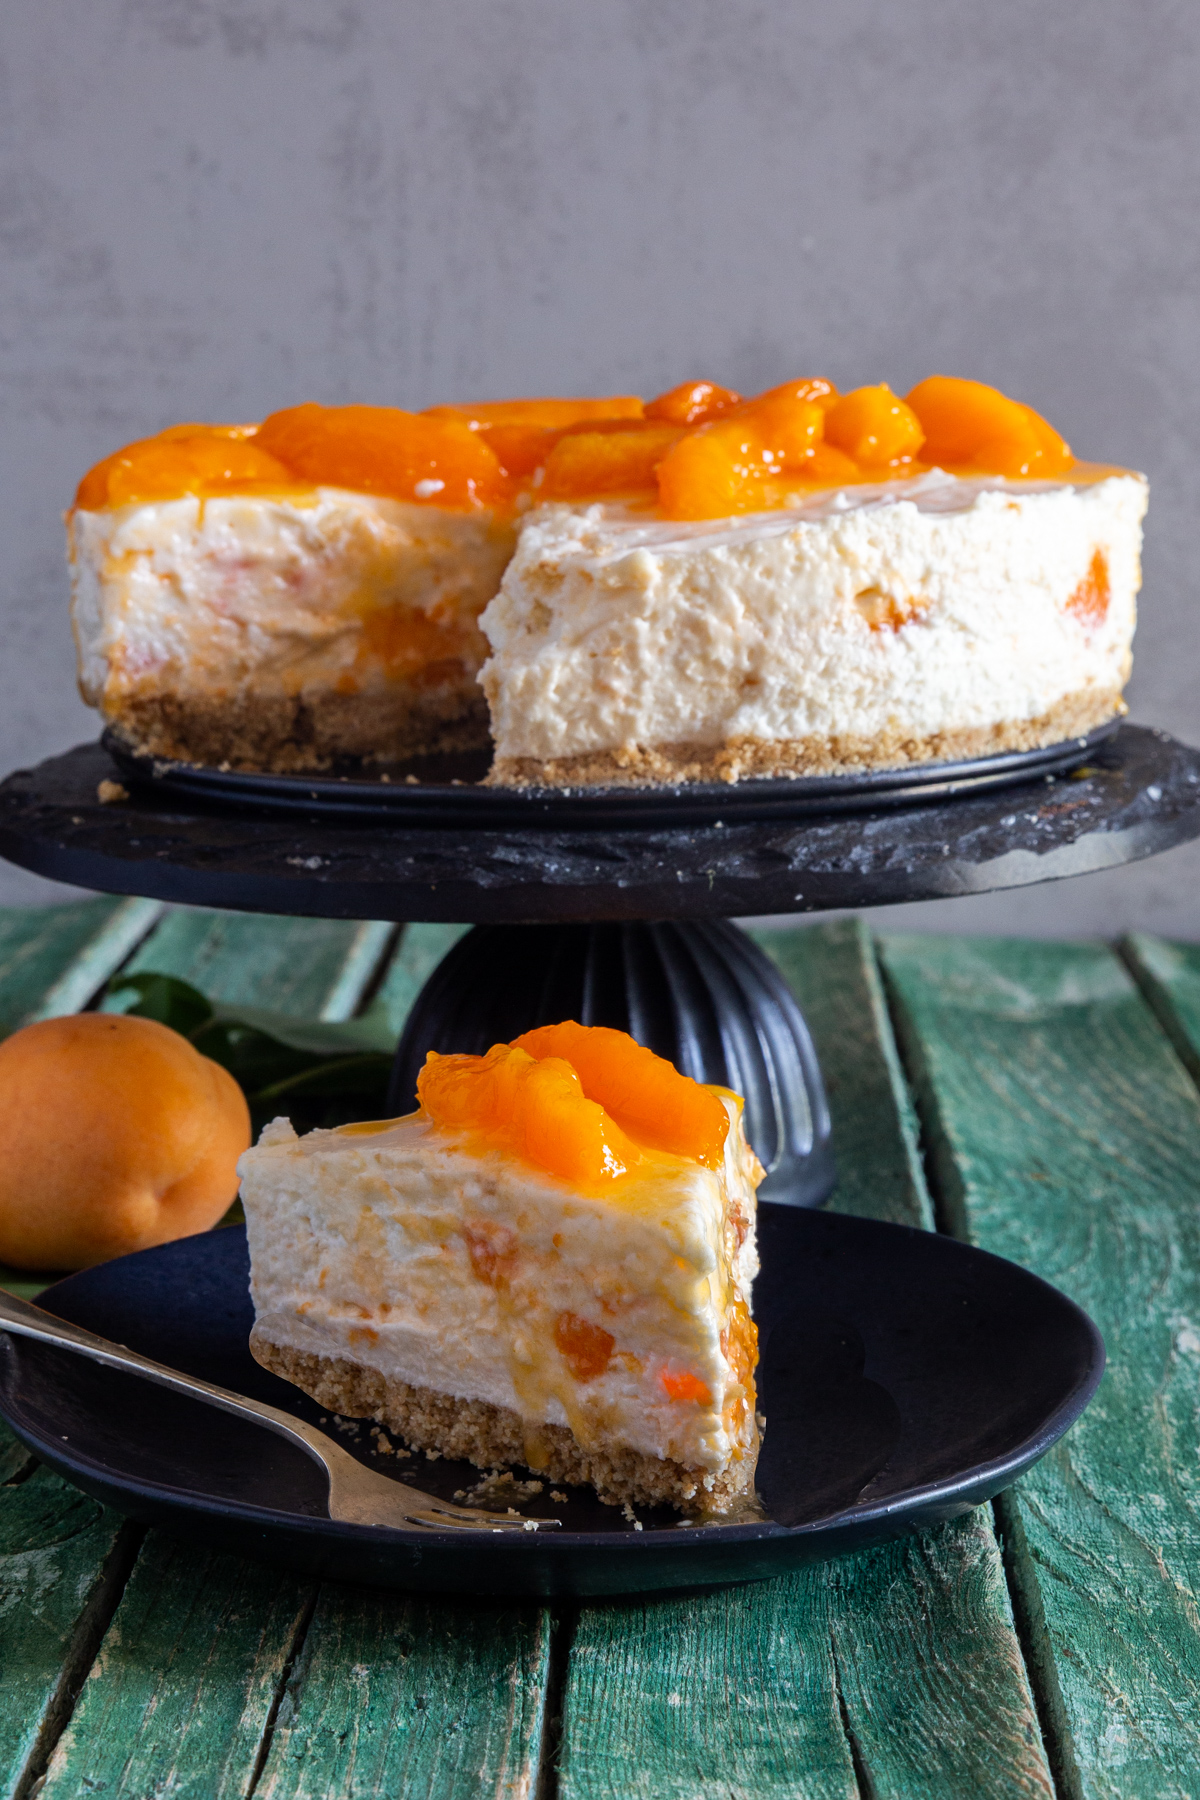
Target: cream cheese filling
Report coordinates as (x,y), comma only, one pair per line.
(930,606)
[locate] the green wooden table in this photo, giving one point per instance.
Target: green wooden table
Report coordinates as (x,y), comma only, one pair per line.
(1038,1099)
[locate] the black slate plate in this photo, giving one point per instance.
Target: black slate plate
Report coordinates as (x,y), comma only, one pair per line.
(445,791)
(1138,794)
(905,1378)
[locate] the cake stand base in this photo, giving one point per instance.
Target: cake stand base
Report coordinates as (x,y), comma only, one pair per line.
(702,995)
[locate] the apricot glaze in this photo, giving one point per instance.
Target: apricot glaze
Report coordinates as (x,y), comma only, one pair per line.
(578,1100)
(699,451)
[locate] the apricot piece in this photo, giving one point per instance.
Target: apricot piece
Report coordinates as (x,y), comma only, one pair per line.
(585,1348)
(583,463)
(384,450)
(971,428)
(538,1109)
(727,466)
(692,403)
(807,387)
(185,459)
(644,1093)
(554,415)
(873,427)
(115,1134)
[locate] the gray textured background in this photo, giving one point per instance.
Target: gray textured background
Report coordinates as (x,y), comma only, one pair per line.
(210,208)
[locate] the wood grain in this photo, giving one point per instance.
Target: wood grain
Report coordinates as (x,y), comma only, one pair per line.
(421,949)
(733,1693)
(53,959)
(936,1695)
(1169,978)
(406,1696)
(832,972)
(298,966)
(62,1557)
(896,1672)
(181,1694)
(1066,1134)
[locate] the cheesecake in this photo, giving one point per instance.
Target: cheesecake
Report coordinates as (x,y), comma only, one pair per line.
(548,1265)
(699,587)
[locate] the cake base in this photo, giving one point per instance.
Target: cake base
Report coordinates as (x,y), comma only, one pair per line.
(735,759)
(289,733)
(493,1437)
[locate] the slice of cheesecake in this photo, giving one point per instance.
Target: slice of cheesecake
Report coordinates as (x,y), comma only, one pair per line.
(549,1264)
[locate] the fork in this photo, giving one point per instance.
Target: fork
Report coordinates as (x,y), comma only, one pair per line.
(357,1495)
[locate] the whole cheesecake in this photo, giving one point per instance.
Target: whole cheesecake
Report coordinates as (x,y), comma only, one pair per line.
(700,587)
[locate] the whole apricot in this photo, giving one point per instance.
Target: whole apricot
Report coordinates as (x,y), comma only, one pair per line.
(115,1134)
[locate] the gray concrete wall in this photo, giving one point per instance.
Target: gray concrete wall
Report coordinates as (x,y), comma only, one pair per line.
(209,208)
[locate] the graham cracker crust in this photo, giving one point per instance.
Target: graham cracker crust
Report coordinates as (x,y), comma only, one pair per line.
(737,759)
(281,733)
(494,1436)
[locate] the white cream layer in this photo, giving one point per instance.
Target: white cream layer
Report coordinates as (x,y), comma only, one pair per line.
(914,608)
(278,592)
(361,1247)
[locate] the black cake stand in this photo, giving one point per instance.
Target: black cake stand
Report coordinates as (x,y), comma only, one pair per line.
(609,908)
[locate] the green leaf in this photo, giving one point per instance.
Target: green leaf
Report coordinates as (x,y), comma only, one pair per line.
(164,998)
(273,1056)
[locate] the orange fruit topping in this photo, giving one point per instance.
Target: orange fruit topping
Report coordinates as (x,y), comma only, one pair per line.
(873,427)
(187,459)
(711,453)
(383,450)
(644,1093)
(585,1348)
(583,463)
(735,464)
(691,403)
(539,1108)
(682,1384)
(522,433)
(115,1134)
(974,429)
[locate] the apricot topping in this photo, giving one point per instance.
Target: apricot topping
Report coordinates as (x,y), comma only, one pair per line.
(644,1093)
(971,428)
(578,1100)
(538,1108)
(115,1134)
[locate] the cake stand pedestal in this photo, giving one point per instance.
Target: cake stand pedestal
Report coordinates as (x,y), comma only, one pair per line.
(631,920)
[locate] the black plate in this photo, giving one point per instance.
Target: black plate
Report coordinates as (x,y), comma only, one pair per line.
(445,791)
(905,1378)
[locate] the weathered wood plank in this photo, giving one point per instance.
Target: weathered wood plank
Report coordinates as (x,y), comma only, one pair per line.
(422,948)
(298,966)
(715,1695)
(54,958)
(796,1688)
(183,1688)
(831,970)
(1169,978)
(396,1696)
(1066,1135)
(62,1561)
(936,1695)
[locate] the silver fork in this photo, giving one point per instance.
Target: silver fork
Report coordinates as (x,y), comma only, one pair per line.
(357,1495)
